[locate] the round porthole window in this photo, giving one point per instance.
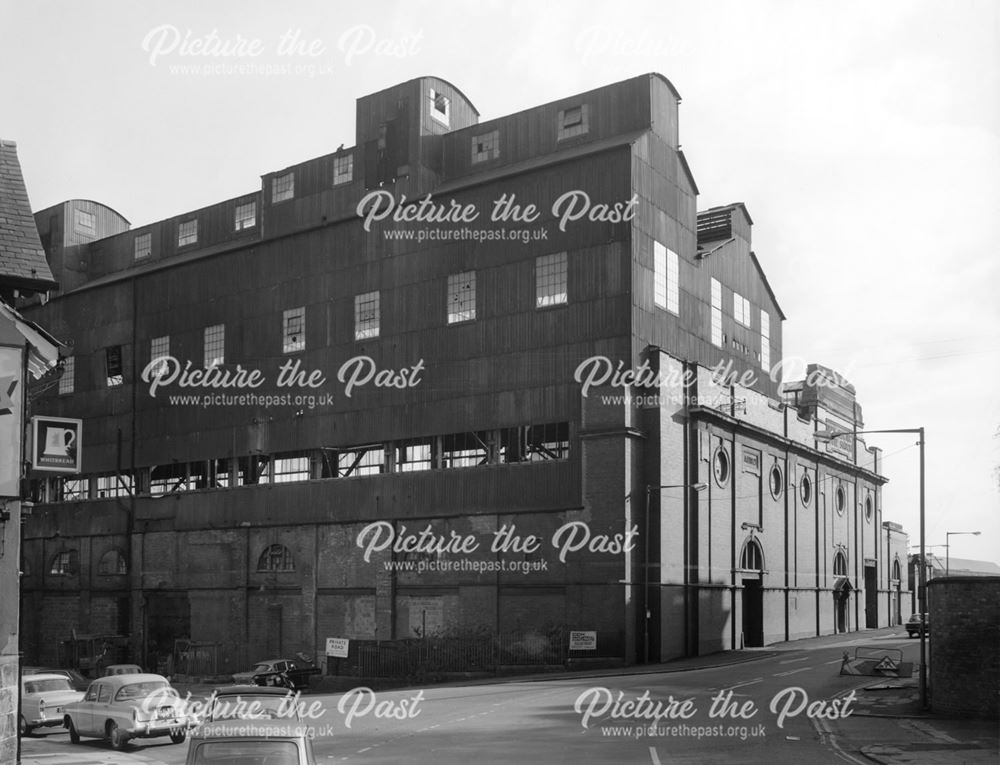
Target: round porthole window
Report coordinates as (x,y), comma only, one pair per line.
(777,481)
(806,489)
(720,466)
(841,500)
(869,509)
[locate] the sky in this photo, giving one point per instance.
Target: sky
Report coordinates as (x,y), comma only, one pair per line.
(864,138)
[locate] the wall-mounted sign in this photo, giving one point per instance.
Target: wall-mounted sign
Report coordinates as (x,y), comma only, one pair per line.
(337,647)
(583,640)
(55,444)
(751,460)
(10,421)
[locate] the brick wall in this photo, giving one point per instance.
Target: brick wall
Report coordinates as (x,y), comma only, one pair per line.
(965,652)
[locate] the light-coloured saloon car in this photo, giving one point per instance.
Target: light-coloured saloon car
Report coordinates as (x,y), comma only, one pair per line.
(43,697)
(251,742)
(124,707)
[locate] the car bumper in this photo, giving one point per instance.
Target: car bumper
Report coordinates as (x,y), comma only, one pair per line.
(156,728)
(48,720)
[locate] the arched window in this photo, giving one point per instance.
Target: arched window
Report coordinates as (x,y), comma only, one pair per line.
(841,500)
(840,564)
(65,563)
(895,570)
(112,563)
(752,558)
(869,508)
(276,558)
(777,482)
(805,489)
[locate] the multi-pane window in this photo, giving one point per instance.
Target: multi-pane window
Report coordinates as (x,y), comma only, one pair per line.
(741,309)
(143,246)
(159,349)
(573,121)
(343,169)
(752,558)
(366,315)
(114,366)
(283,187)
(765,340)
(412,457)
(716,313)
(215,345)
(462,297)
(276,558)
(66,382)
(840,564)
(114,486)
(75,488)
(440,108)
(290,469)
(112,563)
(86,223)
(293,330)
(187,233)
(666,292)
(65,563)
(246,215)
(550,280)
(360,461)
(486,146)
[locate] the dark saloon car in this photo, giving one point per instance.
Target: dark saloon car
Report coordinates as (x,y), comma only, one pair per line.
(917,623)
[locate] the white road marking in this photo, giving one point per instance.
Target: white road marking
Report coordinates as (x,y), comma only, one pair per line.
(791,672)
(653,757)
(792,661)
(748,682)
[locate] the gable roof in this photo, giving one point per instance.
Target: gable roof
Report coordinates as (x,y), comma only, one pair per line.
(22,258)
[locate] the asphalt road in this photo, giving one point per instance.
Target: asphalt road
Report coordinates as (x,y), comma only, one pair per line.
(790,706)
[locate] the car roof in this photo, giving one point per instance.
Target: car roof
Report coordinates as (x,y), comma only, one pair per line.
(116,681)
(115,666)
(256,690)
(250,729)
(44,676)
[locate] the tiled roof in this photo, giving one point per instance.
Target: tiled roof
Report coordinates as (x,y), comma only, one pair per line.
(22,259)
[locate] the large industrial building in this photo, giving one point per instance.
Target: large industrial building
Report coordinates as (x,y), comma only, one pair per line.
(497,375)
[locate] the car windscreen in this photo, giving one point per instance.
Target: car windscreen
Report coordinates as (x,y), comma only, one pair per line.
(140,690)
(246,753)
(43,686)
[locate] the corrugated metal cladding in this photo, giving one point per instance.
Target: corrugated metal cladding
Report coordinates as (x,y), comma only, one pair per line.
(493,303)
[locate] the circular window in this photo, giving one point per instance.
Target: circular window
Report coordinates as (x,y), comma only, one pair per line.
(841,500)
(720,466)
(777,481)
(806,489)
(869,509)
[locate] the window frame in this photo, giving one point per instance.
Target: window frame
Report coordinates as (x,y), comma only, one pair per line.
(280,191)
(554,264)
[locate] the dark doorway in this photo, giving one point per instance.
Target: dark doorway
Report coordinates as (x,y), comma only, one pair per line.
(753,613)
(842,598)
(871,597)
(168,618)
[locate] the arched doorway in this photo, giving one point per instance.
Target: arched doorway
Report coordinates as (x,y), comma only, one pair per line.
(752,570)
(841,592)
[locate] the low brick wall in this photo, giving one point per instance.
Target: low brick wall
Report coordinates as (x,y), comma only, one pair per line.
(965,645)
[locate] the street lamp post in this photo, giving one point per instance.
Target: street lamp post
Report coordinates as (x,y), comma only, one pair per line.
(829,435)
(947,547)
(645,559)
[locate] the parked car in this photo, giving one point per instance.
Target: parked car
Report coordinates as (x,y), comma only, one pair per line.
(121,669)
(250,702)
(78,681)
(42,699)
(916,623)
(239,742)
(123,707)
(282,673)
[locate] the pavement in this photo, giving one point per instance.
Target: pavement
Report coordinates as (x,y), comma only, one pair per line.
(938,740)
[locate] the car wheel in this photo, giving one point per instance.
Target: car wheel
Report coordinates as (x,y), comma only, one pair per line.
(116,736)
(23,728)
(74,737)
(177,737)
